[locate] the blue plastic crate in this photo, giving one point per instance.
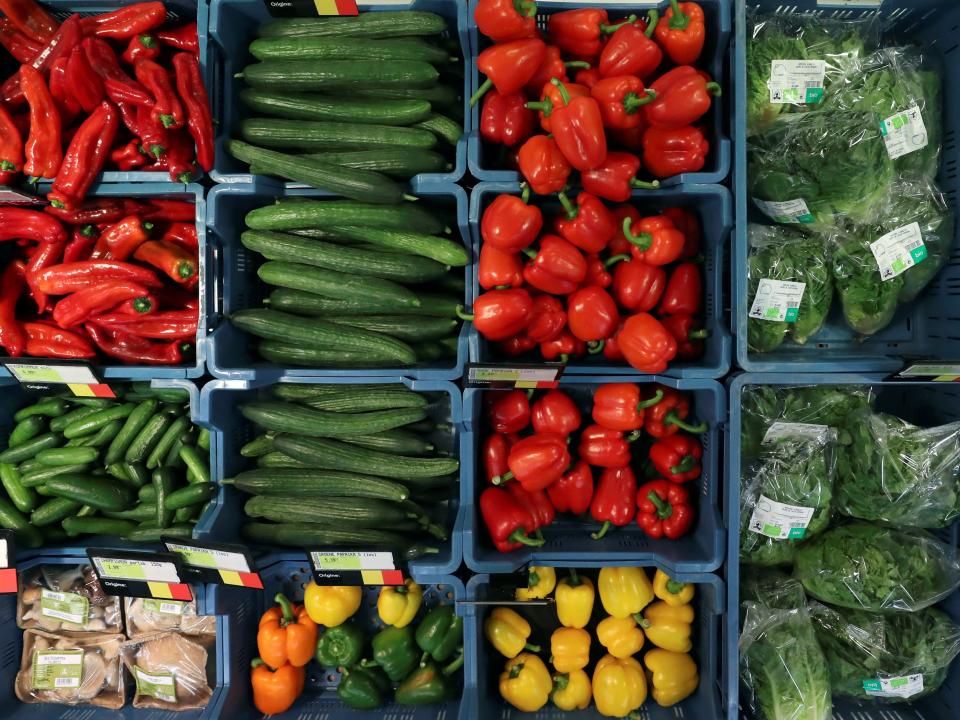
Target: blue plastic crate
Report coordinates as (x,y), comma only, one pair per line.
(229,350)
(927,327)
(229,431)
(707,703)
(289,573)
(206,269)
(714,207)
(232,619)
(568,539)
(923,403)
(480,157)
(233,25)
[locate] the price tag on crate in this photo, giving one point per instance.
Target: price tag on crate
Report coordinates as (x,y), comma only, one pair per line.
(355,567)
(514,376)
(42,376)
(311,8)
(15,196)
(8,564)
(218,563)
(929,372)
(140,574)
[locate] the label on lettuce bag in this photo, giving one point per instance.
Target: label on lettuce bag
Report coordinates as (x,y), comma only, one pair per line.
(69,607)
(788,211)
(802,431)
(57,669)
(798,82)
(780,521)
(158,685)
(777,300)
(898,251)
(895,687)
(904,132)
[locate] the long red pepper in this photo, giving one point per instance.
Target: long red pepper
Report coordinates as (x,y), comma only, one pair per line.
(183,234)
(43,257)
(197,105)
(13,338)
(23,48)
(100,210)
(120,240)
(30,19)
(613,501)
(67,37)
(73,276)
(119,86)
(171,325)
(134,350)
(62,93)
(129,156)
(11,148)
(140,46)
(22,223)
(46,340)
(180,158)
(155,138)
(161,210)
(82,240)
(86,84)
(81,305)
(127,21)
(85,157)
(42,150)
(183,37)
(167,107)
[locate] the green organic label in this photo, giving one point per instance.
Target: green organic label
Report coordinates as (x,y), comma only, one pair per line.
(57,669)
(805,218)
(919,254)
(772,530)
(158,685)
(796,533)
(165,607)
(814,95)
(69,607)
(792,314)
(871,685)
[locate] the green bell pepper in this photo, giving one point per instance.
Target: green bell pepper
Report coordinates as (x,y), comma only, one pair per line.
(340,646)
(363,687)
(428,685)
(440,633)
(395,651)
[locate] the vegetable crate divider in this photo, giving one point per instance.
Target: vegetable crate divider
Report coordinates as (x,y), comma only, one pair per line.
(233,26)
(289,574)
(229,431)
(714,208)
(169,191)
(239,287)
(717,16)
(706,703)
(923,403)
(568,540)
(927,327)
(231,617)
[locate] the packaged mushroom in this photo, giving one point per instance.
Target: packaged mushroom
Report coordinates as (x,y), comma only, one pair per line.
(147,616)
(81,670)
(66,599)
(170,670)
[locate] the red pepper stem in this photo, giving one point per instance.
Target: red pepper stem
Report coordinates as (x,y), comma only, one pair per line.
(564,94)
(611,261)
(520,536)
(142,304)
(664,509)
(527,8)
(714,89)
(595,346)
(650,402)
(698,334)
(544,106)
(481,91)
(686,465)
(643,185)
(462,315)
(7,166)
(633,436)
(632,101)
(642,240)
(671,418)
(675,587)
(525,194)
(285,607)
(610,29)
(564,358)
(603,531)
(571,209)
(678,21)
(577,64)
(501,479)
(653,17)
(529,252)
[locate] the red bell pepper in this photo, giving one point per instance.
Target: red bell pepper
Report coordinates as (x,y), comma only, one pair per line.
(670,152)
(43,257)
(646,344)
(60,45)
(547,319)
(133,350)
(620,406)
(551,98)
(117,84)
(505,119)
(684,293)
(42,150)
(630,51)
(621,99)
(573,492)
(603,447)
(82,240)
(587,78)
(505,20)
(543,166)
(177,263)
(70,277)
(535,502)
(688,335)
(13,338)
(510,223)
(588,224)
(99,211)
(577,127)
(664,510)
(614,501)
(510,411)
(86,85)
(171,325)
(182,37)
(638,286)
(509,66)
(681,32)
(193,93)
(657,243)
(677,457)
(592,315)
(687,223)
(500,314)
(81,305)
(143,45)
(507,521)
(557,268)
(126,22)
(85,157)
(615,179)
(556,414)
(581,32)
(537,461)
(11,148)
(668,417)
(120,240)
(167,107)
(563,347)
(499,269)
(46,340)
(129,156)
(20,223)
(598,274)
(495,450)
(517,345)
(552,67)
(683,96)
(23,48)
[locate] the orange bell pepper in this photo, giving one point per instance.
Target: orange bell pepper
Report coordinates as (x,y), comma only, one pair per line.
(275,691)
(286,634)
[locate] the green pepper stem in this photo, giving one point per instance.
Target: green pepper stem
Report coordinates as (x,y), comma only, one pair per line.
(564,95)
(653,17)
(642,241)
(167,120)
(532,648)
(455,665)
(481,91)
(664,509)
(257,662)
(525,194)
(544,106)
(714,89)
(582,64)
(462,315)
(526,8)
(501,479)
(642,621)
(633,437)
(561,681)
(595,346)
(7,166)
(686,465)
(286,607)
(674,587)
(529,252)
(650,402)
(423,659)
(564,358)
(698,334)
(671,418)
(568,206)
(678,21)
(88,231)
(609,29)
(369,663)
(533,579)
(633,102)
(644,185)
(574,578)
(611,261)
(515,671)
(603,530)
(520,536)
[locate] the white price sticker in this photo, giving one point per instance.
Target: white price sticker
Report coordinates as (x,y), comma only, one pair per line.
(898,251)
(802,431)
(780,521)
(788,211)
(798,82)
(777,300)
(895,687)
(904,132)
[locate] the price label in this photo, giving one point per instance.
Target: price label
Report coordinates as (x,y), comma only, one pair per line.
(39,375)
(898,251)
(8,569)
(788,211)
(143,575)
(159,685)
(312,8)
(216,563)
(798,82)
(777,300)
(780,521)
(894,687)
(930,372)
(904,132)
(336,567)
(57,669)
(514,376)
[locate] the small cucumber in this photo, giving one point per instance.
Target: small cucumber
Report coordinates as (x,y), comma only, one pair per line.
(137,472)
(147,438)
(28,428)
(98,492)
(48,407)
(190,495)
(167,440)
(58,457)
(24,532)
(97,526)
(134,423)
(153,534)
(57,424)
(104,435)
(164,481)
(92,423)
(198,470)
(203,439)
(31,447)
(54,510)
(21,496)
(39,476)
(142,512)
(170,396)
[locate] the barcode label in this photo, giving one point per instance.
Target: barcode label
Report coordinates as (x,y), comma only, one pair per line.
(65,682)
(777,300)
(780,521)
(787,211)
(898,251)
(904,132)
(798,82)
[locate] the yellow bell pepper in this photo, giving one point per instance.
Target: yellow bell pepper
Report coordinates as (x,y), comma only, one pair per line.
(540,582)
(671,591)
(673,676)
(619,686)
(624,591)
(508,632)
(569,649)
(571,691)
(331,605)
(622,637)
(669,626)
(574,600)
(398,605)
(525,683)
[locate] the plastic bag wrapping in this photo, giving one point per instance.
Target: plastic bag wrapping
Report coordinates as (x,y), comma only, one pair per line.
(147,616)
(871,567)
(66,599)
(838,43)
(915,228)
(169,670)
(786,496)
(899,473)
(864,649)
(71,670)
(782,254)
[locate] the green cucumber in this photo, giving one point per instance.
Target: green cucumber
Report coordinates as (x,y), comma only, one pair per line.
(101,493)
(338,48)
(368,512)
(134,423)
(313,535)
(394,23)
(99,403)
(58,457)
(337,75)
(277,460)
(401,442)
(408,328)
(104,435)
(316,483)
(137,472)
(147,438)
(294,106)
(21,496)
(147,494)
(164,481)
(153,534)
(398,162)
(167,441)
(48,407)
(142,512)
(187,514)
(442,249)
(171,396)
(295,214)
(304,135)
(57,424)
(439,96)
(198,470)
(190,495)
(446,129)
(283,354)
(283,417)
(260,445)
(203,439)
(29,428)
(92,423)
(97,526)
(330,283)
(54,510)
(13,519)
(31,447)
(334,455)
(305,303)
(39,476)
(351,398)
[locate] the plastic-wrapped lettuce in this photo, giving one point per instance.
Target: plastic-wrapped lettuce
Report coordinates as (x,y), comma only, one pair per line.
(886,657)
(889,260)
(900,473)
(783,257)
(872,567)
(785,497)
